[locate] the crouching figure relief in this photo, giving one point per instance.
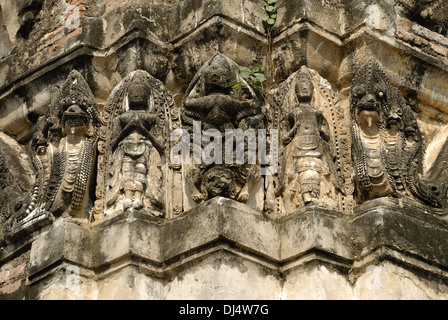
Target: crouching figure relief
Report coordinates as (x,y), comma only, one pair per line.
(214,112)
(132,147)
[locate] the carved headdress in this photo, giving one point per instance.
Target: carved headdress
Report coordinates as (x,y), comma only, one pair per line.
(370,79)
(76,91)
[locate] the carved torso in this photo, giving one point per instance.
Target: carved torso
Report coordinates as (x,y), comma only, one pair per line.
(72,164)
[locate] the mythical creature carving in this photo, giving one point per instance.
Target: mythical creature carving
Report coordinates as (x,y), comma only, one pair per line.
(387,142)
(370,106)
(136,120)
(16,179)
(75,156)
(211,105)
(311,168)
(63,152)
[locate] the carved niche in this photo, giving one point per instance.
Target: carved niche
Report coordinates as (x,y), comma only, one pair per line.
(133,167)
(314,153)
(63,153)
(386,141)
(210,108)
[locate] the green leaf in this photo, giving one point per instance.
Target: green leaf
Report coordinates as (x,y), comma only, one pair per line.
(244,74)
(271,21)
(259,77)
(236,86)
(265,17)
(273,15)
(272,1)
(255,68)
(269,8)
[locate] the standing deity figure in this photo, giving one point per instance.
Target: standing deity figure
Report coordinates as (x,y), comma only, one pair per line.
(132,147)
(386,141)
(213,106)
(308,170)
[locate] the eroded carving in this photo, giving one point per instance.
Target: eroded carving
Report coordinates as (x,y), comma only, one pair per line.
(387,143)
(16,178)
(430,13)
(75,155)
(136,122)
(214,108)
(311,166)
(438,175)
(63,153)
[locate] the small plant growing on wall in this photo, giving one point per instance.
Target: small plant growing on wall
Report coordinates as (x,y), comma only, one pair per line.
(268,19)
(251,75)
(270,13)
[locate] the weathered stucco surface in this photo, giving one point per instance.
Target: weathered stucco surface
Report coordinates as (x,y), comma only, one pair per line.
(326,257)
(384,248)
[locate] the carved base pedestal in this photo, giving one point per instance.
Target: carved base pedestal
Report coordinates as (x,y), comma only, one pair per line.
(24,228)
(225,250)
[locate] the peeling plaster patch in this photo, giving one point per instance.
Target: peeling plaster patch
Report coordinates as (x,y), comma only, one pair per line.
(373,19)
(2,49)
(3,74)
(373,280)
(434,148)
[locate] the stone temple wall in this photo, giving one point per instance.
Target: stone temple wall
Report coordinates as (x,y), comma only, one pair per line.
(117,181)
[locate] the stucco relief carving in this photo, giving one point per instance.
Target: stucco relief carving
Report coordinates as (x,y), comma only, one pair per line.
(63,153)
(210,106)
(314,154)
(387,142)
(66,156)
(438,174)
(16,179)
(328,157)
(132,166)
